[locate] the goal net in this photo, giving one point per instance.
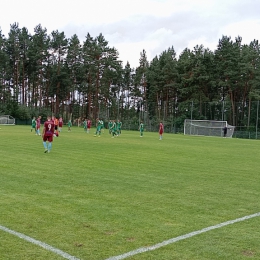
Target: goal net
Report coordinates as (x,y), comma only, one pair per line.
(207,128)
(7,120)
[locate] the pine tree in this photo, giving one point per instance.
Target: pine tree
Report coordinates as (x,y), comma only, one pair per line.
(38,68)
(4,69)
(59,45)
(77,72)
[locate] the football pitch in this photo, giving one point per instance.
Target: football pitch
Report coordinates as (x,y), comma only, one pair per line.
(100,198)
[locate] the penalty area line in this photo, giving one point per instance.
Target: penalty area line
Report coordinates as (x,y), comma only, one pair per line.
(39,243)
(176,239)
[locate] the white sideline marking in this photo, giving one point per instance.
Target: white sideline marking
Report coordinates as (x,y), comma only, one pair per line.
(173,240)
(39,243)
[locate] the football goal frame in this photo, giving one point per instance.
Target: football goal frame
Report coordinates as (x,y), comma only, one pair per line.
(7,120)
(208,128)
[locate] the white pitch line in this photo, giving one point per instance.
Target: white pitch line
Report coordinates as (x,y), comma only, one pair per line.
(173,240)
(39,243)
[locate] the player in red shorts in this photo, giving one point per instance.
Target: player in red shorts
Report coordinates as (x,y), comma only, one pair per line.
(60,123)
(38,125)
(88,125)
(47,134)
(161,130)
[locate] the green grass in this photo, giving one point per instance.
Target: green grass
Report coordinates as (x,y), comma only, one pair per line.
(100,197)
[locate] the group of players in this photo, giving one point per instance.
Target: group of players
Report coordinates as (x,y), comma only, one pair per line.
(36,124)
(53,126)
(114,127)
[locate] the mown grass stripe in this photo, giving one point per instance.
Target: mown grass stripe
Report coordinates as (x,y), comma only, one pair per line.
(176,239)
(39,243)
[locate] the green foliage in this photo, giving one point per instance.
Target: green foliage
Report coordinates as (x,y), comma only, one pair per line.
(73,78)
(23,112)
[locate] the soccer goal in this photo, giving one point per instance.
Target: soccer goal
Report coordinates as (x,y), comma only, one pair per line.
(207,128)
(7,120)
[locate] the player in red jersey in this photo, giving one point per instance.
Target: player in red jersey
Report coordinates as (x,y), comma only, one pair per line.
(161,130)
(38,125)
(47,134)
(88,125)
(60,124)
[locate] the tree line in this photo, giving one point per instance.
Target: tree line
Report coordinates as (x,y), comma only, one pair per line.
(44,73)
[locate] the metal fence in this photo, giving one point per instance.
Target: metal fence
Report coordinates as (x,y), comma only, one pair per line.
(244,116)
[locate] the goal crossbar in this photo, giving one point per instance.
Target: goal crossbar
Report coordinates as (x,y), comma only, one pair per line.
(7,120)
(208,128)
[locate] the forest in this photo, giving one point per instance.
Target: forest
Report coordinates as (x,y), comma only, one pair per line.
(43,73)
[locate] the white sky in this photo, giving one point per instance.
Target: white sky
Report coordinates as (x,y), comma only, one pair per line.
(133,25)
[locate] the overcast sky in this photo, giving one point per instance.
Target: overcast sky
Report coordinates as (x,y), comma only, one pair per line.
(133,25)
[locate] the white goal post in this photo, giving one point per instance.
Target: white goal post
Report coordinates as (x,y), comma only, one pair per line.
(7,120)
(207,128)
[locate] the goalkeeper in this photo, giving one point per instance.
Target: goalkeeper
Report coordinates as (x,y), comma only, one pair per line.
(225,131)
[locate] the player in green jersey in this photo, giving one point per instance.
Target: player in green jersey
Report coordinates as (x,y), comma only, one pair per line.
(99,125)
(119,127)
(69,125)
(85,125)
(110,124)
(141,129)
(114,129)
(34,125)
